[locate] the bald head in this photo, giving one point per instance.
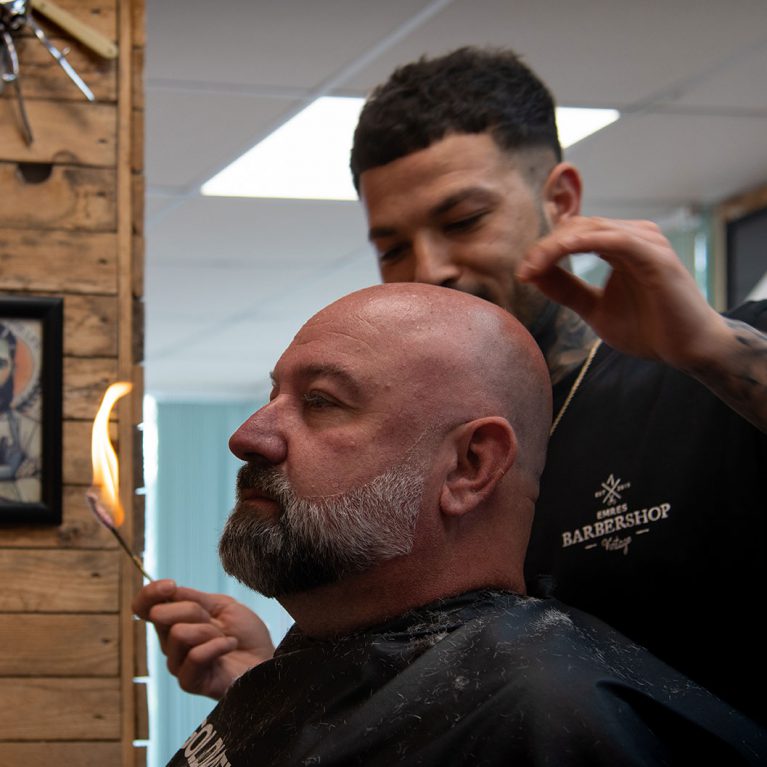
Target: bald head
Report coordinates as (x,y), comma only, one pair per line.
(461,356)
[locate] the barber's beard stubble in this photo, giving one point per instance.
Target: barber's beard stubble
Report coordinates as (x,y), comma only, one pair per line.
(316,541)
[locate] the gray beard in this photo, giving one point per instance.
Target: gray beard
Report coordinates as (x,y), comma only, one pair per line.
(316,541)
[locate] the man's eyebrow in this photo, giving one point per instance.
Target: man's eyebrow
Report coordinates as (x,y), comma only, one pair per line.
(329,370)
(474,193)
(478,193)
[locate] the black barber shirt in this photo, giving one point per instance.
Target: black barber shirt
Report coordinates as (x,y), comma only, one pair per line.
(653,517)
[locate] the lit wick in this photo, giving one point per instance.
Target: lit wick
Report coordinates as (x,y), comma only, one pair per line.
(106,520)
(106,473)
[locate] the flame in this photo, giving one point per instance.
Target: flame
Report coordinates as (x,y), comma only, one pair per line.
(106,470)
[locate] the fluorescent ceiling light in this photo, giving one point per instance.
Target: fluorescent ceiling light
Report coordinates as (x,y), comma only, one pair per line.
(575,123)
(307,158)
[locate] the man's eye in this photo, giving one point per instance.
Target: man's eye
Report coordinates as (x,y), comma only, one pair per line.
(391,255)
(317,401)
(464,224)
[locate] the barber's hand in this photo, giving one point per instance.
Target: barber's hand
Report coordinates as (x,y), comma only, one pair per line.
(209,639)
(650,305)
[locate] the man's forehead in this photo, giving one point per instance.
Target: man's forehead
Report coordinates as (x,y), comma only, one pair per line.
(372,343)
(326,350)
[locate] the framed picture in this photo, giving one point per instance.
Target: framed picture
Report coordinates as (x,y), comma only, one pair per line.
(30,409)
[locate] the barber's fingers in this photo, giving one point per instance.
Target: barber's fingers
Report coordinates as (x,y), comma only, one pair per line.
(163,592)
(192,647)
(151,594)
(211,604)
(166,616)
(621,243)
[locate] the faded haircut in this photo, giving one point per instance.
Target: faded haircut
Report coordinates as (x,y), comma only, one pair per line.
(470,90)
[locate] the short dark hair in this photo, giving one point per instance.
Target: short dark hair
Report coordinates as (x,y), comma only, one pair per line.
(471,90)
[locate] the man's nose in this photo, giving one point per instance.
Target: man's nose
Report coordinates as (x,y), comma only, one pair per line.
(260,438)
(432,262)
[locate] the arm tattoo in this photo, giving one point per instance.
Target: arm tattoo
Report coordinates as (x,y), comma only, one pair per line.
(740,380)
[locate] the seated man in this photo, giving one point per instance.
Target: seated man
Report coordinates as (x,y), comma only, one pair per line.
(386,501)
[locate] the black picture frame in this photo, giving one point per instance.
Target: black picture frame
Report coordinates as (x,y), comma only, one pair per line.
(31,353)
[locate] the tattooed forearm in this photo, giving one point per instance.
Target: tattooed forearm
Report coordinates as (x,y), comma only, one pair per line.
(740,378)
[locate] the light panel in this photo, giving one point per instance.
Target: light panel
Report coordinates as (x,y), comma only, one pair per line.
(576,123)
(307,158)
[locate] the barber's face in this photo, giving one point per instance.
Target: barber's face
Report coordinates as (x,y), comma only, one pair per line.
(459,214)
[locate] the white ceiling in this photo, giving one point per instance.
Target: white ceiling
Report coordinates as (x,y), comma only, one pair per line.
(229,281)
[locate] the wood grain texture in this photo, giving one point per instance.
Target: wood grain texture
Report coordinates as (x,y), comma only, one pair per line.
(140,667)
(43,78)
(139,756)
(142,711)
(85,381)
(73,754)
(72,198)
(85,645)
(137,141)
(138,23)
(90,326)
(137,79)
(78,529)
(54,261)
(77,132)
(138,265)
(59,581)
(48,708)
(138,197)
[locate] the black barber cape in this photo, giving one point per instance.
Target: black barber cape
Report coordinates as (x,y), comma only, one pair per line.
(487,678)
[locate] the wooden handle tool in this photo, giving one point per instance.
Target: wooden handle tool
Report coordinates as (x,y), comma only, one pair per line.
(76,28)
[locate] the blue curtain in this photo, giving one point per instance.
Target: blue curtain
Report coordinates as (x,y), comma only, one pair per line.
(187,506)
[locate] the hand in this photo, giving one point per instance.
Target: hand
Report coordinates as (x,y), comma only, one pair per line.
(650,305)
(209,639)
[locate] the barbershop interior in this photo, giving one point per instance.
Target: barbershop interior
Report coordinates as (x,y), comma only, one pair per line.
(177,202)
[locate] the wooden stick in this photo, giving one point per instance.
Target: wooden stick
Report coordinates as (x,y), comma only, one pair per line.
(105,520)
(76,28)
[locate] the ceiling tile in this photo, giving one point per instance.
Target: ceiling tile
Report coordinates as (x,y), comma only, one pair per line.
(287,43)
(192,136)
(273,233)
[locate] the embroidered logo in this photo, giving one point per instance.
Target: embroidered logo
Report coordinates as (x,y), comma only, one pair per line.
(615,526)
(611,489)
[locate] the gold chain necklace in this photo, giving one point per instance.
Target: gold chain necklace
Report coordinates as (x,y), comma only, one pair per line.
(574,388)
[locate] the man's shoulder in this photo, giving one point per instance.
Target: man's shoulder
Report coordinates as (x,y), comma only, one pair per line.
(752,312)
(546,635)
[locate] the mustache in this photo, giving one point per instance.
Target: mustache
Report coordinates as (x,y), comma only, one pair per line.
(265,480)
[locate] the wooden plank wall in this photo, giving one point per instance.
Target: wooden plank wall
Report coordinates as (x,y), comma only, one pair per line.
(71,225)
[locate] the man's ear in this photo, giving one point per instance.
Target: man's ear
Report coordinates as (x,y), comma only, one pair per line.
(562,193)
(485,449)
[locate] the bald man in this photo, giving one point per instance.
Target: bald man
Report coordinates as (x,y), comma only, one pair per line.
(386,501)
